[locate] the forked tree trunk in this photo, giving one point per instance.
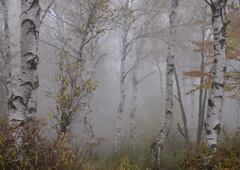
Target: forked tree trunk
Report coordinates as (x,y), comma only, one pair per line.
(216,97)
(28,80)
(158,143)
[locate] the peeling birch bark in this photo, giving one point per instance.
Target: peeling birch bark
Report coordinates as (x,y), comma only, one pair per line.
(28,81)
(216,97)
(32,106)
(157,145)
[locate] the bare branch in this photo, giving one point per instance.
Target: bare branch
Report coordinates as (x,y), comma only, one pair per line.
(54,46)
(209,3)
(146,76)
(181,131)
(46,11)
(131,69)
(99,59)
(5,85)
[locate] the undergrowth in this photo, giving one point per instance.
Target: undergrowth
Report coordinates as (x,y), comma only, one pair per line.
(36,152)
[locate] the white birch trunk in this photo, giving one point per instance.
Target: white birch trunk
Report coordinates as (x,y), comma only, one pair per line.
(238,106)
(7,52)
(238,101)
(88,129)
(158,143)
(123,75)
(88,73)
(28,81)
(134,98)
(216,97)
(6,48)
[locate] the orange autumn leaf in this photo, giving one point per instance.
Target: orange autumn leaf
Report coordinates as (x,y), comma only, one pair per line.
(196,74)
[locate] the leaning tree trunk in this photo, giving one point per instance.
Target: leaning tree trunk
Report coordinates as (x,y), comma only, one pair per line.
(28,80)
(216,97)
(158,143)
(183,131)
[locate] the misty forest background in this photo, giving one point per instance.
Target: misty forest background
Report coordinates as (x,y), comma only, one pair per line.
(119,84)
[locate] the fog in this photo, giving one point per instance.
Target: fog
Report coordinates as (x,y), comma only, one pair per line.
(107,50)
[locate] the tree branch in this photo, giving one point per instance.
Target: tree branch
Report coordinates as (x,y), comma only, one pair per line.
(131,69)
(181,131)
(146,76)
(46,11)
(208,3)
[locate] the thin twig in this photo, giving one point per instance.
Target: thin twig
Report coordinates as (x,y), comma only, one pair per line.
(146,76)
(46,11)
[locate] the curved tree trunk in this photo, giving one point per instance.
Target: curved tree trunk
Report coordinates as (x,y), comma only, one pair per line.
(158,143)
(28,80)
(216,97)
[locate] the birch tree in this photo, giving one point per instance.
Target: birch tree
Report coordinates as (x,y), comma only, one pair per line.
(95,19)
(123,74)
(6,51)
(204,47)
(134,98)
(136,80)
(202,91)
(157,145)
(216,97)
(78,58)
(20,99)
(130,16)
(32,105)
